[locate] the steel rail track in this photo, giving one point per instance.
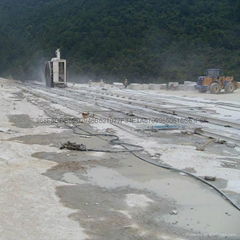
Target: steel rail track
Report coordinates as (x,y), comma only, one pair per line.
(177,111)
(75,106)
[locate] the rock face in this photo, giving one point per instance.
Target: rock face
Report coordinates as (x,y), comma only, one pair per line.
(135,86)
(189,86)
(118,85)
(173,85)
(154,86)
(151,86)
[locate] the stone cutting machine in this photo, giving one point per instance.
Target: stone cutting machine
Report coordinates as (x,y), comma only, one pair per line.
(56,71)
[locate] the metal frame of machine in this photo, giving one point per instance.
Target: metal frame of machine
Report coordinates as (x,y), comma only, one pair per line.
(56,71)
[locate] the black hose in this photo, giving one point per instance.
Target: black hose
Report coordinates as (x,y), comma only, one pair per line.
(191,175)
(116,141)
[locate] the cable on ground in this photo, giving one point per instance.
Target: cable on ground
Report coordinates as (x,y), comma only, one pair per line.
(116,141)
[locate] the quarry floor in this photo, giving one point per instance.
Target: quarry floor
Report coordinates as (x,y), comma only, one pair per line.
(53,194)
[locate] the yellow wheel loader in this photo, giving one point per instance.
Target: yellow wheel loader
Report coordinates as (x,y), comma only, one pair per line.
(214,81)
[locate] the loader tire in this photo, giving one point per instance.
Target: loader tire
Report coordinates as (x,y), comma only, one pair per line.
(215,88)
(229,87)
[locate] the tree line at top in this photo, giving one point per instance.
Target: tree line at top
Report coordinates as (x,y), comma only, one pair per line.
(142,40)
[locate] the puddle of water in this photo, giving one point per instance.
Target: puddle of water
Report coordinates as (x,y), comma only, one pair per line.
(200,209)
(138,200)
(70,177)
(21,121)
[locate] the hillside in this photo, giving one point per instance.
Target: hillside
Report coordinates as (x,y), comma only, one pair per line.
(143,40)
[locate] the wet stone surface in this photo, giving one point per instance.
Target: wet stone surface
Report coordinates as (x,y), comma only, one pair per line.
(22,121)
(97,187)
(105,215)
(103,211)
